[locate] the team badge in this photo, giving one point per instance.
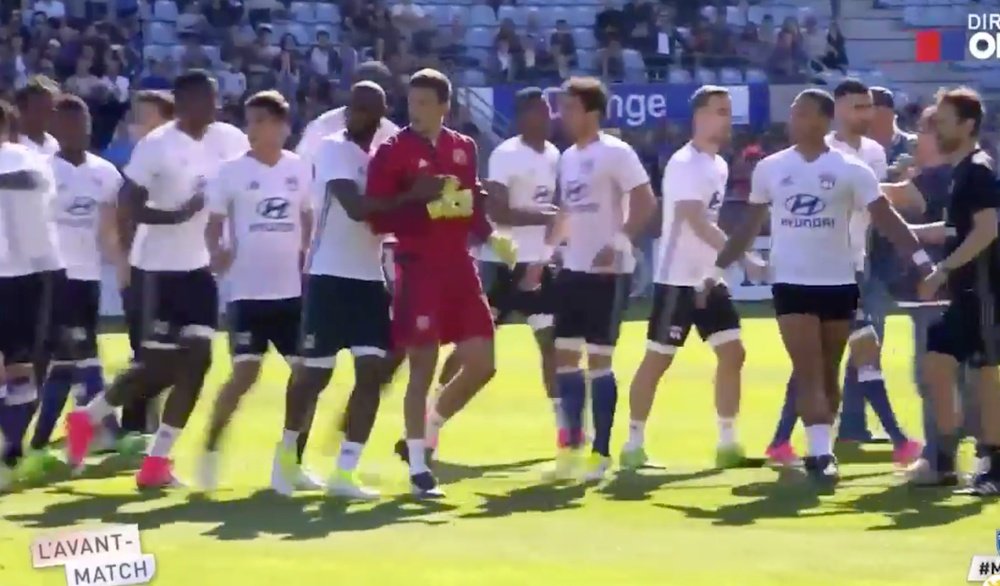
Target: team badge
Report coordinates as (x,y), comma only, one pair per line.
(827,181)
(787,181)
(587,165)
(254,186)
(423,322)
(458,156)
(292,184)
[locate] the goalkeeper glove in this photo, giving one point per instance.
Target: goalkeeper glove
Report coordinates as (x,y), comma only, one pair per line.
(505,248)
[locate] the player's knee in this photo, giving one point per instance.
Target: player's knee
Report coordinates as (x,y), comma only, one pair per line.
(732,355)
(20,371)
(481,365)
(865,351)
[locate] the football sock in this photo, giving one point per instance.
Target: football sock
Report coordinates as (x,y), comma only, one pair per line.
(818,437)
(605,398)
(947,451)
(350,454)
(852,408)
(636,435)
(557,411)
(572,389)
(55,391)
(434,424)
(873,386)
(416,450)
(164,440)
(289,439)
(789,416)
(727,431)
(91,376)
(99,408)
(20,404)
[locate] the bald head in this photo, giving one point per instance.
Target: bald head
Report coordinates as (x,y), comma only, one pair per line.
(374,71)
(365,110)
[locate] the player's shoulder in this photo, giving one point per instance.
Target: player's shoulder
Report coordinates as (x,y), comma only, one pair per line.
(459,137)
(98,163)
(385,125)
(235,165)
(872,146)
(982,162)
(776,159)
(18,154)
(612,143)
(224,131)
(162,133)
(293,160)
(335,116)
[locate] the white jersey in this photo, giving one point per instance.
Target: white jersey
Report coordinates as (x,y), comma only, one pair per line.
(48,147)
(690,175)
(530,179)
(28,238)
(264,205)
(80,191)
(811,207)
(342,247)
(595,181)
(872,154)
(172,167)
(333,122)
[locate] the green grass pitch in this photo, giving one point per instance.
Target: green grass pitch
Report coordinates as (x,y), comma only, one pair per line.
(502,525)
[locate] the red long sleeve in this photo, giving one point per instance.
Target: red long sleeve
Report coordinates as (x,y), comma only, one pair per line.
(386,180)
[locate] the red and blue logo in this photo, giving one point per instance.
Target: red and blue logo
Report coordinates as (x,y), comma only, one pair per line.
(933,46)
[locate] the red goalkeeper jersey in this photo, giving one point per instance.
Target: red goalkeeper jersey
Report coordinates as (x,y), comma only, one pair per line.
(443,229)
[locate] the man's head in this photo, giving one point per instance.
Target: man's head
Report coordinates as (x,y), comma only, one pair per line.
(532,111)
(151,109)
(194,98)
(854,107)
(428,98)
(712,110)
(71,124)
(34,104)
(884,117)
(582,105)
(812,113)
(366,108)
(267,116)
(322,38)
(927,152)
(375,71)
(958,118)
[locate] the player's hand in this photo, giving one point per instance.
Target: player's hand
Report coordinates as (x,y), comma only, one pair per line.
(928,288)
(532,279)
(607,258)
(193,205)
(505,248)
(426,188)
(755,267)
(221,261)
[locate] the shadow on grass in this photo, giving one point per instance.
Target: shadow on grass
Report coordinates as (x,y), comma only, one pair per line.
(854,453)
(530,499)
(906,507)
(449,472)
(640,485)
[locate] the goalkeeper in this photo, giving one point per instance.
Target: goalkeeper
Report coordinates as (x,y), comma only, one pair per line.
(437,298)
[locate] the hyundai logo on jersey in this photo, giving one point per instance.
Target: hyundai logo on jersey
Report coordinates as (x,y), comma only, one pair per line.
(81,206)
(806,206)
(274,209)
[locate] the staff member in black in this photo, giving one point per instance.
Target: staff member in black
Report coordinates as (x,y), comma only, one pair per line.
(968,329)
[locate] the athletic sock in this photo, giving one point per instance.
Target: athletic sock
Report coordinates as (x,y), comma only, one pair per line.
(727,431)
(789,416)
(99,408)
(417,455)
(289,439)
(572,389)
(91,376)
(55,391)
(636,435)
(434,424)
(818,437)
(164,440)
(604,389)
(947,451)
(350,453)
(557,412)
(873,386)
(20,404)
(853,423)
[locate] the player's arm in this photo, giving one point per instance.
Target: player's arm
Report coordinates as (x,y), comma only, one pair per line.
(754,216)
(933,233)
(885,218)
(497,201)
(904,196)
(219,203)
(397,209)
(109,241)
(140,173)
(22,180)
(632,177)
(982,185)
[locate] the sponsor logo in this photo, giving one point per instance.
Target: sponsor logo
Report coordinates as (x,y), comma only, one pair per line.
(459,157)
(827,181)
(273,208)
(292,184)
(81,206)
(804,204)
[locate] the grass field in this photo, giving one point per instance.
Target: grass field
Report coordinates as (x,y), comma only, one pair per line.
(501,524)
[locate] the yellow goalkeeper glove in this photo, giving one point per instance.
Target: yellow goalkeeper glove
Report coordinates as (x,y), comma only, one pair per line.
(505,248)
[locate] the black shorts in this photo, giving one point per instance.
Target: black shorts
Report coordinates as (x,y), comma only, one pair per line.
(675,311)
(827,302)
(75,318)
(27,303)
(175,305)
(342,313)
(502,286)
(967,331)
(255,323)
(591,308)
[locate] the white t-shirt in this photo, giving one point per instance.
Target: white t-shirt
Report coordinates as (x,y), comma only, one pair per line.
(264,206)
(872,154)
(28,238)
(172,166)
(595,181)
(811,207)
(530,179)
(690,175)
(80,190)
(332,122)
(342,247)
(49,146)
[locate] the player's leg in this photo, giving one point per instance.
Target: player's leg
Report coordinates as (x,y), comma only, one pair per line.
(611,295)
(853,424)
(539,308)
(719,325)
(865,359)
(835,332)
(668,328)
(139,415)
(571,385)
(986,481)
(780,452)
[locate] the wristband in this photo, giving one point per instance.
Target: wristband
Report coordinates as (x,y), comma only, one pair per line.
(622,243)
(920,257)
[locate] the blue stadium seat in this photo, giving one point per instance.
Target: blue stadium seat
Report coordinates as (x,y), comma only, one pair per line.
(165,10)
(473,78)
(161,33)
(333,31)
(633,60)
(584,38)
(213,54)
(518,14)
(756,76)
(481,15)
(302,12)
(677,75)
(480,37)
(156,52)
(733,16)
(450,11)
(551,15)
(704,76)
(730,76)
(480,54)
(327,13)
(298,31)
(583,16)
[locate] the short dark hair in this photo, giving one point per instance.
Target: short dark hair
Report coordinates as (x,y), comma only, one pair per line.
(6,116)
(71,103)
(271,102)
(38,85)
(163,101)
(193,79)
(590,91)
(701,96)
(967,103)
(822,98)
(434,80)
(850,87)
(526,96)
